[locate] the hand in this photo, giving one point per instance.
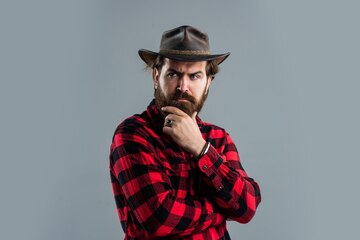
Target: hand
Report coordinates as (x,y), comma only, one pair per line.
(183,129)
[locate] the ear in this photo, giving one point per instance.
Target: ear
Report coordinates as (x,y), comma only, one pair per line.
(155,75)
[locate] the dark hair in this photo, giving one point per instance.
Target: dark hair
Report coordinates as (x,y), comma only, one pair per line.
(211,67)
(158,63)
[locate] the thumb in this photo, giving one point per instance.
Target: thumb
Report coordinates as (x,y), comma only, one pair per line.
(194,116)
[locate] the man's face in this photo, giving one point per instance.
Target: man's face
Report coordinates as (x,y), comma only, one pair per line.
(184,85)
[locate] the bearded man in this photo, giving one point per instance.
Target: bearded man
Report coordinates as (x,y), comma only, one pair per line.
(173,175)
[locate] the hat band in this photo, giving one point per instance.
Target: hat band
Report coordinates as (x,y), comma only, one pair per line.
(184,52)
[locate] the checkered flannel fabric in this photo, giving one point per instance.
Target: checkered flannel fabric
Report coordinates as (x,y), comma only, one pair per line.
(163,192)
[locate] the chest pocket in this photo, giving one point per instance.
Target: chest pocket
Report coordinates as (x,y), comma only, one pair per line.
(179,173)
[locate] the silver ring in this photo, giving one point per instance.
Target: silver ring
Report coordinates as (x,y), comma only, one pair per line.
(169,122)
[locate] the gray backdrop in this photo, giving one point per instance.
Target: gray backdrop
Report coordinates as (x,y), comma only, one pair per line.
(288,94)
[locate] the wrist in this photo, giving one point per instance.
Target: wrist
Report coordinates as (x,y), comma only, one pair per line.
(198,148)
(204,150)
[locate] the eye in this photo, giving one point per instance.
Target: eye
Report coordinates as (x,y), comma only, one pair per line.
(172,75)
(195,76)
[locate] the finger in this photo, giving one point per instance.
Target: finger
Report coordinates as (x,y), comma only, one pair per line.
(172,117)
(168,122)
(174,110)
(167,130)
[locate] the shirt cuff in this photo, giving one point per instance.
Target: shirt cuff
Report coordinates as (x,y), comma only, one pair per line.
(209,164)
(209,159)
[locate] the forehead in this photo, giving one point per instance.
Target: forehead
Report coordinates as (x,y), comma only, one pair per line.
(184,66)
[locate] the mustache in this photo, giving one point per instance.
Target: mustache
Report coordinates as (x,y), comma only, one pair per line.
(182,95)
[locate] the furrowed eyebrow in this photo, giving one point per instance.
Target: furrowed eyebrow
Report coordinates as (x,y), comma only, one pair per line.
(174,71)
(196,73)
(180,73)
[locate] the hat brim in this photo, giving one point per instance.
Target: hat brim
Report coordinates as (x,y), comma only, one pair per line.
(149,57)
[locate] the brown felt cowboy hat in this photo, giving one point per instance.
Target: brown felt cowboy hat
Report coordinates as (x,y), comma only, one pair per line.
(185,44)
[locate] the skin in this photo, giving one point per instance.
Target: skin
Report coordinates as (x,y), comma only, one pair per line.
(188,77)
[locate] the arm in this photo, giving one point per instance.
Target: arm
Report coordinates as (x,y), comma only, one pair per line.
(234,193)
(149,193)
(229,186)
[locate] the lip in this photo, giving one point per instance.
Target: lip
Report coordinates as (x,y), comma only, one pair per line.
(183,100)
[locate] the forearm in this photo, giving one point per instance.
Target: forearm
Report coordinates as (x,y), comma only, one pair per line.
(171,216)
(234,192)
(155,204)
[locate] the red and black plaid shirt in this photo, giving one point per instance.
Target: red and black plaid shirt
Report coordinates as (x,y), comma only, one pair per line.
(162,192)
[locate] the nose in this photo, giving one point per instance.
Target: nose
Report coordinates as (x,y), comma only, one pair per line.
(183,84)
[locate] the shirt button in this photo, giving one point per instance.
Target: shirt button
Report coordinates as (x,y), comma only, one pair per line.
(220,188)
(204,167)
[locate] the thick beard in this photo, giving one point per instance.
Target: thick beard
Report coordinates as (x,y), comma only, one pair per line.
(172,100)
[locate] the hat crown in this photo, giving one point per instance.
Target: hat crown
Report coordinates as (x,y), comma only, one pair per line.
(184,44)
(185,39)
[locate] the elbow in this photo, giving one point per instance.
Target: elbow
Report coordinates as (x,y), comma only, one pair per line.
(251,204)
(245,217)
(246,213)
